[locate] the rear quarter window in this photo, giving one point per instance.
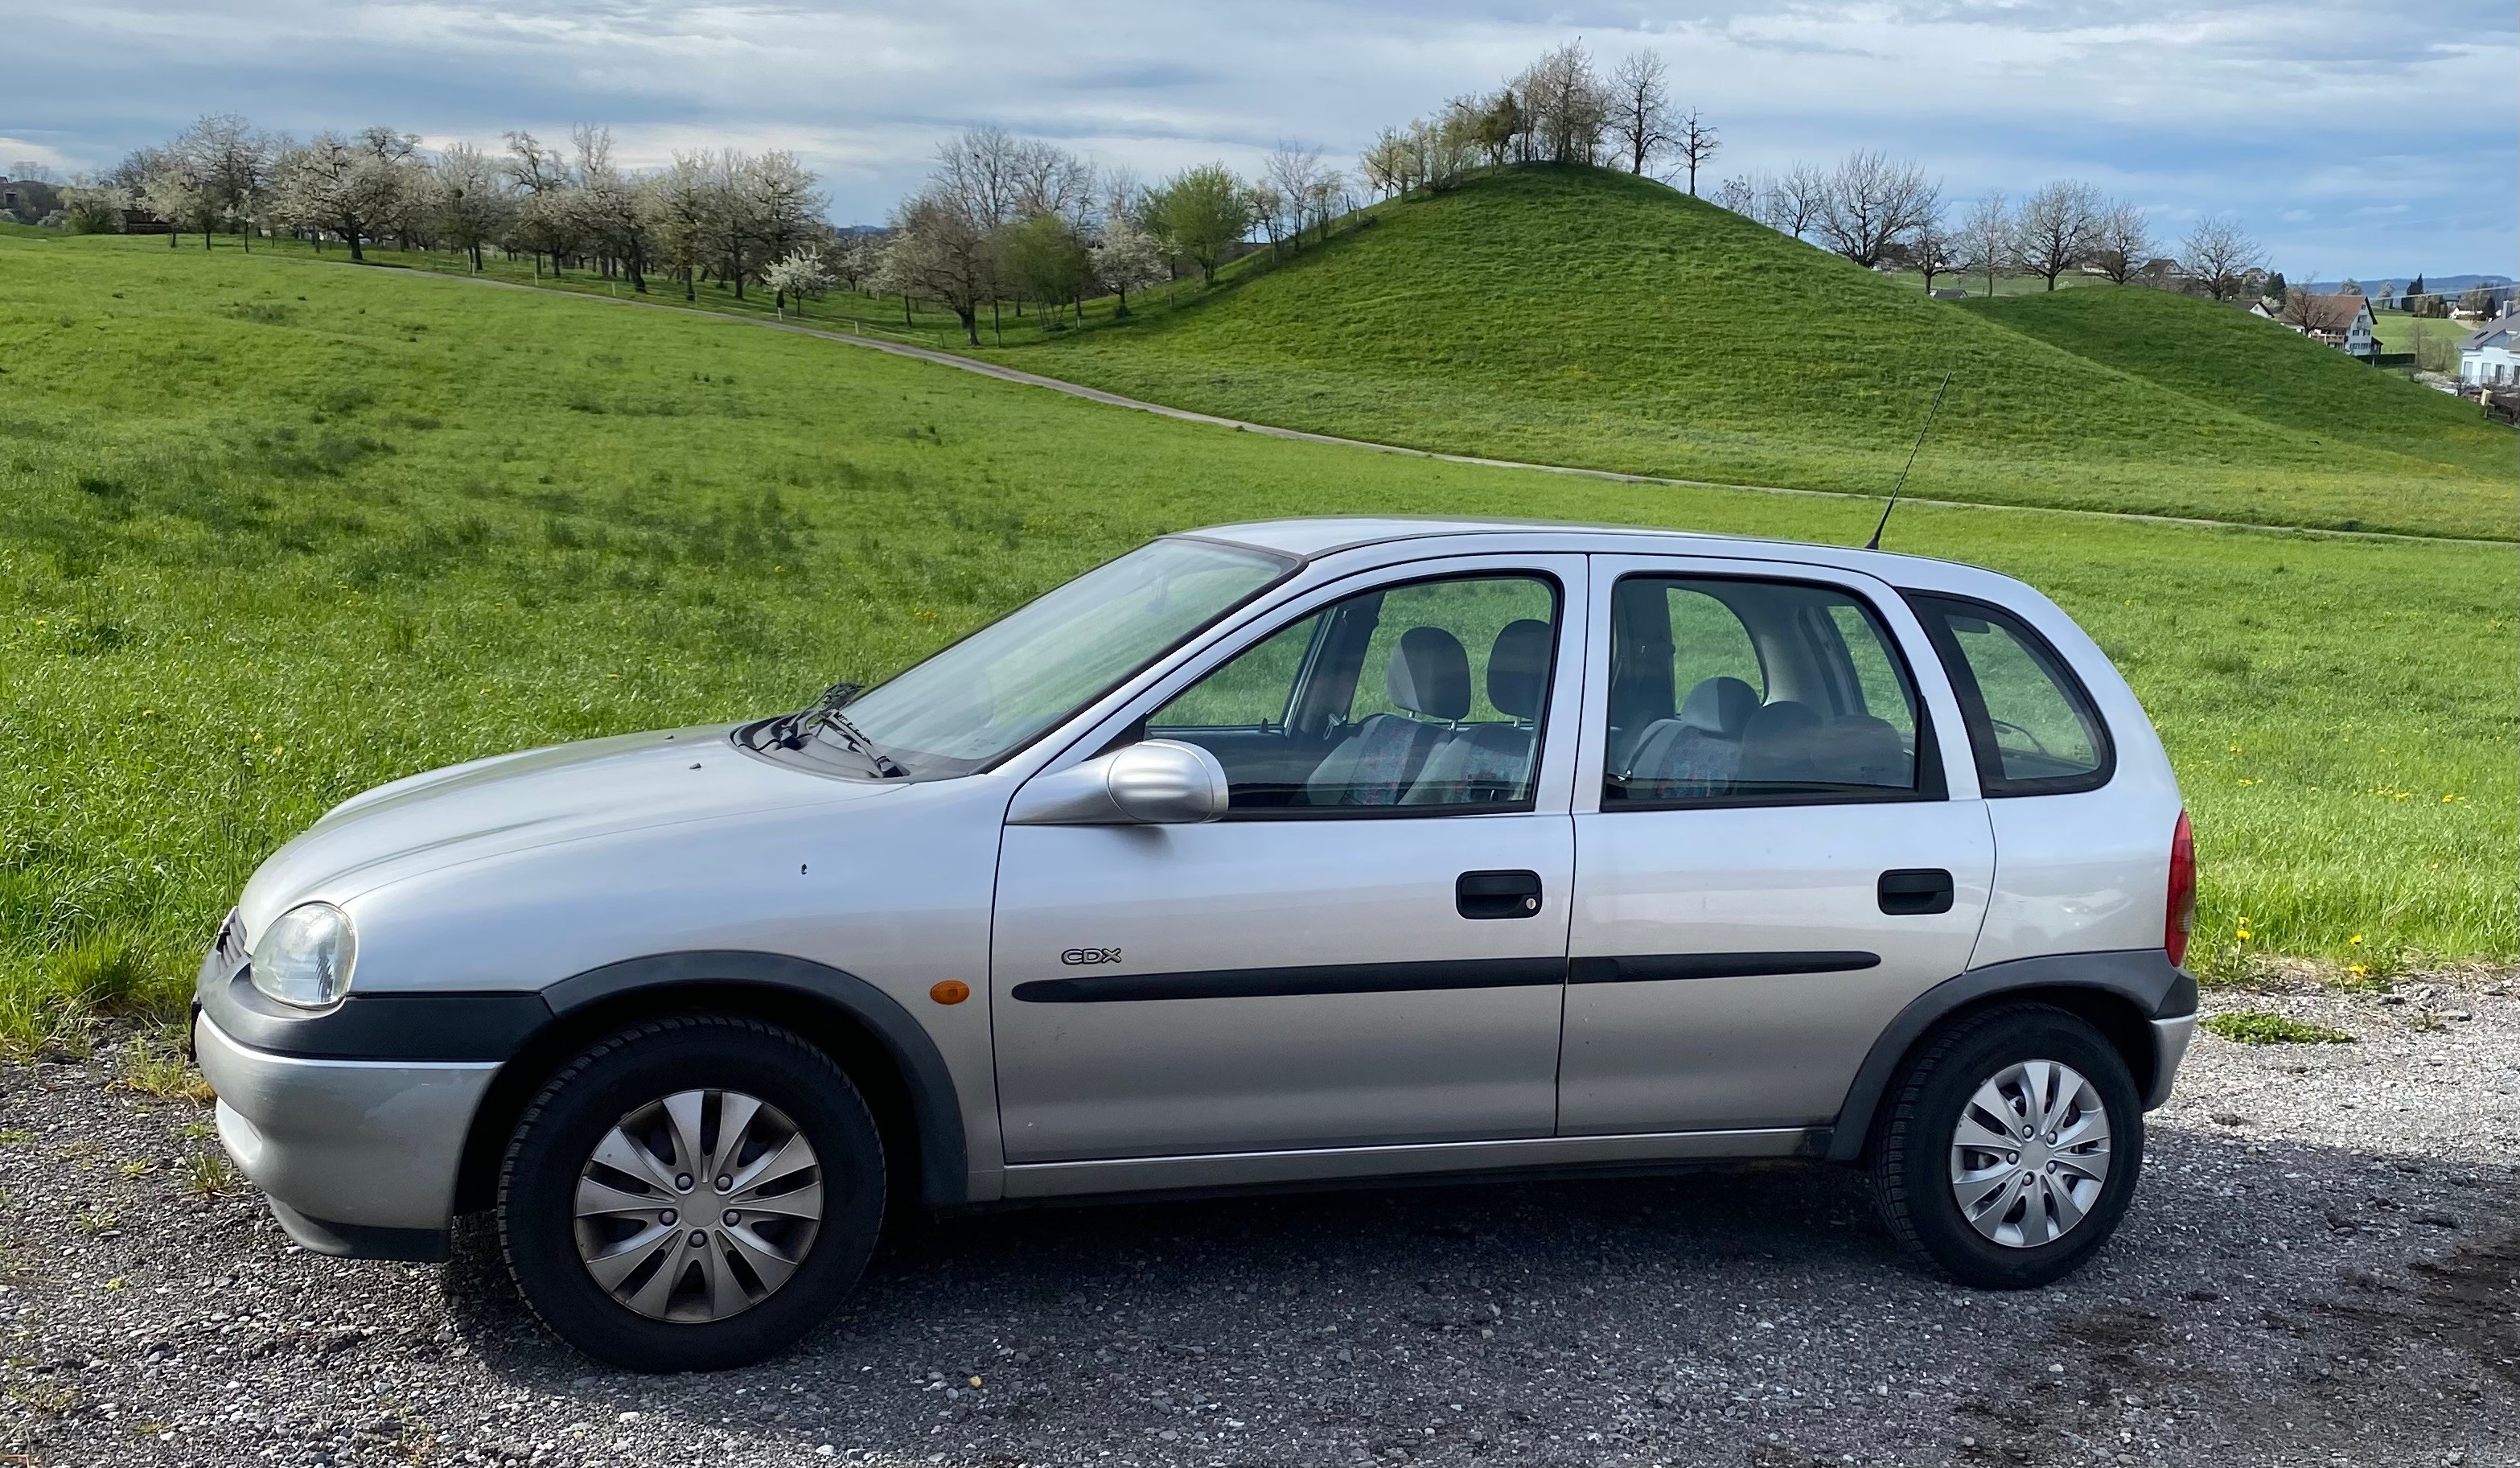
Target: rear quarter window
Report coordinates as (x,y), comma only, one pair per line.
(2031,724)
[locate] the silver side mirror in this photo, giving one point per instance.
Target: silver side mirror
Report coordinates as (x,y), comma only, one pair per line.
(1156,782)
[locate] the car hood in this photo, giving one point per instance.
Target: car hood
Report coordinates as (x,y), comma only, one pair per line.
(541,797)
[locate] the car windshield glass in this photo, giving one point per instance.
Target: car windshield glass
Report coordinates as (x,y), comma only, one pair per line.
(998,689)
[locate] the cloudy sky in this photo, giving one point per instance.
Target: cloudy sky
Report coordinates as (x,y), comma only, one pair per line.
(2355,138)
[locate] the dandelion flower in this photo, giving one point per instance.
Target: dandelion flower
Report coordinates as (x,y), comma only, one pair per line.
(2357,938)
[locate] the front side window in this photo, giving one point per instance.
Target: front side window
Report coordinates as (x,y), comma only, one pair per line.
(1425,698)
(2032,726)
(1736,692)
(997,689)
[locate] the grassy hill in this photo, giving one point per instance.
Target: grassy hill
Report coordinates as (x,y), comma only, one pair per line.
(273,531)
(1575,316)
(2256,366)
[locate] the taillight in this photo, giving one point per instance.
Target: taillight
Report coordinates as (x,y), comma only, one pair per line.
(2181,921)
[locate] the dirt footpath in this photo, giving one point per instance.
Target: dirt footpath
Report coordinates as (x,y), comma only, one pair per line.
(2322,1267)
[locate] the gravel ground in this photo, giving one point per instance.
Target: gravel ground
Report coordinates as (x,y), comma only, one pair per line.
(2322,1267)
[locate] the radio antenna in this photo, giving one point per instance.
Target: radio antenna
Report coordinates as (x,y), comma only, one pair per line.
(1874,544)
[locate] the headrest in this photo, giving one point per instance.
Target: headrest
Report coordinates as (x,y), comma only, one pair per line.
(1777,742)
(1431,674)
(1720,706)
(1782,720)
(1860,749)
(1519,666)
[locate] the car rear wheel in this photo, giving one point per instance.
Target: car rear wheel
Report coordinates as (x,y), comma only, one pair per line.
(2010,1148)
(691,1194)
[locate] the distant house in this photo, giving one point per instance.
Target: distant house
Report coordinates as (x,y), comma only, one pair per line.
(2491,357)
(2343,322)
(2266,310)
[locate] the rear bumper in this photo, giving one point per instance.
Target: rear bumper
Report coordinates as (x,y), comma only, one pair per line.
(2170,1038)
(356,1157)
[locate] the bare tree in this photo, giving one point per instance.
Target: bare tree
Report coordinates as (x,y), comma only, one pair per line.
(1875,203)
(1800,199)
(1291,176)
(943,250)
(1641,109)
(1568,108)
(2121,241)
(1986,237)
(468,198)
(1697,144)
(545,220)
(985,173)
(682,202)
(1934,248)
(2057,229)
(2219,256)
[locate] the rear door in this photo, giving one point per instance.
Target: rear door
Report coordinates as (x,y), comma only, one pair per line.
(1775,852)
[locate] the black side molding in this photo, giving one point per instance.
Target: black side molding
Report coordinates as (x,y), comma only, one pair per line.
(2143,977)
(1278,983)
(1634,969)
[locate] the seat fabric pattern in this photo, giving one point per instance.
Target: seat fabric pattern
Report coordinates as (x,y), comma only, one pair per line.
(1430,675)
(1489,764)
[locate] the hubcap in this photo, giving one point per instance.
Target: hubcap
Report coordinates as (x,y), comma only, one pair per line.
(2031,1153)
(667,1253)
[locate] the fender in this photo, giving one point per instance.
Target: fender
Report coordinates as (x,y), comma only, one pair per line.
(934,1104)
(2143,977)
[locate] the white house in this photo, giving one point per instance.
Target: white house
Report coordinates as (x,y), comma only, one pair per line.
(2491,357)
(2344,322)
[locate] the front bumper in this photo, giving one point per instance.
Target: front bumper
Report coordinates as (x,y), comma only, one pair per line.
(356,1157)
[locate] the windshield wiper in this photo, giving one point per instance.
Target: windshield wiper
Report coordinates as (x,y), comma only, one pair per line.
(837,723)
(792,730)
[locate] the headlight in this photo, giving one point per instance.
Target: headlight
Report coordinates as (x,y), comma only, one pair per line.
(304,958)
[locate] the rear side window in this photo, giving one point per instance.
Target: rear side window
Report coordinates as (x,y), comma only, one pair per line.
(2030,723)
(1734,691)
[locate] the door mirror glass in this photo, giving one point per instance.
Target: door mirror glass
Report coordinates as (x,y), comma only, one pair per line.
(1156,782)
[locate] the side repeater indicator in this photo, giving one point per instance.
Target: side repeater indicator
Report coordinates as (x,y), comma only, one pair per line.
(949,992)
(1086,957)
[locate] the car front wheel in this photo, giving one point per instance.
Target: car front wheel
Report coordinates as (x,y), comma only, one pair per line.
(2010,1148)
(691,1195)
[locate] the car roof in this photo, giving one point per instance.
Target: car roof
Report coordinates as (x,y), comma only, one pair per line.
(1323,535)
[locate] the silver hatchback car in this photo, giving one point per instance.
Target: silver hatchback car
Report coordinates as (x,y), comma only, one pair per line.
(1315,850)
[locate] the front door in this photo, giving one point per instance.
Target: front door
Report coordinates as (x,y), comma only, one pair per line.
(1772,867)
(1371,947)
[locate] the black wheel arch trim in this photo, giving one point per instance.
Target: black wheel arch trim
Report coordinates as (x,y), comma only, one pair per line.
(2145,978)
(935,1103)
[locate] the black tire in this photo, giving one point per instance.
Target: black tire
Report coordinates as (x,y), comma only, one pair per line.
(1912,1151)
(641,1064)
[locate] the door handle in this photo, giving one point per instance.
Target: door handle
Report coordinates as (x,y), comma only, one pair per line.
(1497,894)
(1914,891)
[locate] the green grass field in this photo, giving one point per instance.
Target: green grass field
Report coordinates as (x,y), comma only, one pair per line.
(2214,353)
(273,531)
(1581,317)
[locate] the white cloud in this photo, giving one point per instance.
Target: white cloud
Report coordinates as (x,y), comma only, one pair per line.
(2319,111)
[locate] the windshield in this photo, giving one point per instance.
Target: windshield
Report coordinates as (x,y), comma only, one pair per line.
(998,689)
